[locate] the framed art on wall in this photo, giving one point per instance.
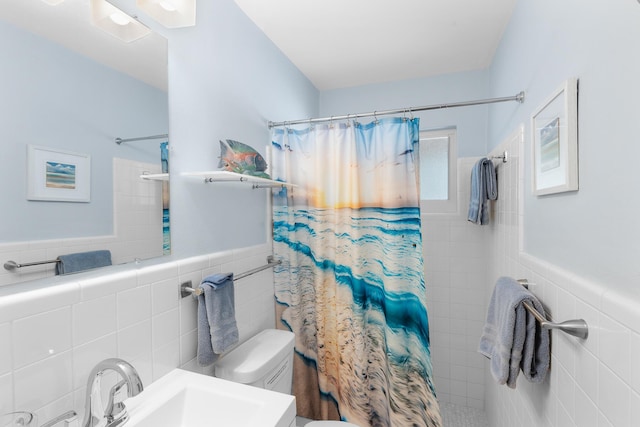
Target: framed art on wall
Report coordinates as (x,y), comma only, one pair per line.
(55,175)
(555,142)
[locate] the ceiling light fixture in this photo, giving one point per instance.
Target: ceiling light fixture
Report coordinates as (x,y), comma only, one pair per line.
(170,13)
(167,5)
(109,18)
(53,2)
(119,18)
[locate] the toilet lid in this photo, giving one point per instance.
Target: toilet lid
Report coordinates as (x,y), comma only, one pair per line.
(329,424)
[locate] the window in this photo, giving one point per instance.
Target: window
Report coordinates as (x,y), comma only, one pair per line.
(438,171)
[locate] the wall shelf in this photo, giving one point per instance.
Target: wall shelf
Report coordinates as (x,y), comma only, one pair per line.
(155,176)
(226,176)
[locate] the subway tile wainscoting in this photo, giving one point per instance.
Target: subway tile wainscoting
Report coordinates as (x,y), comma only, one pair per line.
(56,334)
(593,382)
(53,336)
(137,217)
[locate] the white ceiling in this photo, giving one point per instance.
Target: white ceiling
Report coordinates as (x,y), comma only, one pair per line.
(68,24)
(343,43)
(335,43)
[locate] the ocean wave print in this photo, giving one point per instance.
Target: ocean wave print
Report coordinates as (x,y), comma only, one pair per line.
(358,309)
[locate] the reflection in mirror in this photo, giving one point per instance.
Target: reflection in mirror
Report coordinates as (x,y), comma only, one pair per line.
(69,90)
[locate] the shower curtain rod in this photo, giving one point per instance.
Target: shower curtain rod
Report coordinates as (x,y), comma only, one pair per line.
(519,98)
(142,138)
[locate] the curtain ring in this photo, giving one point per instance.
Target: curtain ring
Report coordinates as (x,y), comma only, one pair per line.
(331,122)
(375,116)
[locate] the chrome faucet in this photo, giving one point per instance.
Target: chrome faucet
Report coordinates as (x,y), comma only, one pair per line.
(116,413)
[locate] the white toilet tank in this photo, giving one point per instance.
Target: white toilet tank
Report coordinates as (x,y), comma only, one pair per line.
(265,361)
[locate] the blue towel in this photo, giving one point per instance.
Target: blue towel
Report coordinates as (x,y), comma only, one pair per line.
(73,263)
(483,188)
(217,329)
(512,338)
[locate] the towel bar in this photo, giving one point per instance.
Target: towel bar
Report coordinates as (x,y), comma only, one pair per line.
(576,327)
(504,157)
(186,289)
(12,265)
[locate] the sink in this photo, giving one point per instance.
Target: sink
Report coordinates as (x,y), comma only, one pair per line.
(187,399)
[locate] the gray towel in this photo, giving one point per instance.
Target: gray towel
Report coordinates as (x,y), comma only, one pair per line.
(217,329)
(483,188)
(73,263)
(512,338)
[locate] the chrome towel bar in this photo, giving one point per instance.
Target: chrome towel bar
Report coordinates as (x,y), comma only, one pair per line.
(576,327)
(186,288)
(504,157)
(12,265)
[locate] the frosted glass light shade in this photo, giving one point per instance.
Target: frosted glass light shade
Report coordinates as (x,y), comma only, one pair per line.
(53,2)
(170,13)
(109,18)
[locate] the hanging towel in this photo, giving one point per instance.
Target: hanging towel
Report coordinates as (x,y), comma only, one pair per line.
(483,188)
(73,263)
(217,329)
(512,338)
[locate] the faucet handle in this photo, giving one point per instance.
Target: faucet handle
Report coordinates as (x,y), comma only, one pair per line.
(116,409)
(94,413)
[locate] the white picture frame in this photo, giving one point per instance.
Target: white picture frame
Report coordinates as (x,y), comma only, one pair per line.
(554,127)
(56,175)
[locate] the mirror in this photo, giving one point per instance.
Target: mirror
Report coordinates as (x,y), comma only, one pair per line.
(69,91)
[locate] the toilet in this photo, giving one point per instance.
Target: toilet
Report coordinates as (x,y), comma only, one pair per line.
(266,361)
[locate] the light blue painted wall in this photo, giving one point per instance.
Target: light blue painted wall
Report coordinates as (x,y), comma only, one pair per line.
(471,122)
(55,98)
(593,232)
(226,80)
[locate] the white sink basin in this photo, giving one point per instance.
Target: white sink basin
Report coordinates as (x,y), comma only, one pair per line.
(186,399)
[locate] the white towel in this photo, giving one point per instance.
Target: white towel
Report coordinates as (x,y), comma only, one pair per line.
(512,338)
(217,329)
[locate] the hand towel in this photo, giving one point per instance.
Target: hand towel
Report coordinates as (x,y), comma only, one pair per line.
(483,188)
(512,338)
(73,263)
(217,329)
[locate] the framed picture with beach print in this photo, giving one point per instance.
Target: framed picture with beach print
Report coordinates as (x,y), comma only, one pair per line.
(555,142)
(55,175)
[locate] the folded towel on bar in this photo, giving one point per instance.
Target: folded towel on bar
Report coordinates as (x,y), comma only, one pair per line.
(217,329)
(512,338)
(73,263)
(483,188)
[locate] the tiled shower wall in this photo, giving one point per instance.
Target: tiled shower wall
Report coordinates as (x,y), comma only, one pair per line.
(137,224)
(53,333)
(592,382)
(456,257)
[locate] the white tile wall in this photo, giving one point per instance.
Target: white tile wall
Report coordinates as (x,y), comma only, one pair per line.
(52,336)
(56,334)
(456,259)
(137,225)
(593,382)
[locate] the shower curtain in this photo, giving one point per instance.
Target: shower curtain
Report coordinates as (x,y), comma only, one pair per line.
(166,223)
(351,283)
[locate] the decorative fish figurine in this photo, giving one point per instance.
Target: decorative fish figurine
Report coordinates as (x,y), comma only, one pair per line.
(242,158)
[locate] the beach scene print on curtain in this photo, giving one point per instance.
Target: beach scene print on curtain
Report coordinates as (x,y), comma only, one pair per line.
(351,283)
(166,221)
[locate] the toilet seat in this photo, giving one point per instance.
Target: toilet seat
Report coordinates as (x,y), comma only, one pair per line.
(329,424)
